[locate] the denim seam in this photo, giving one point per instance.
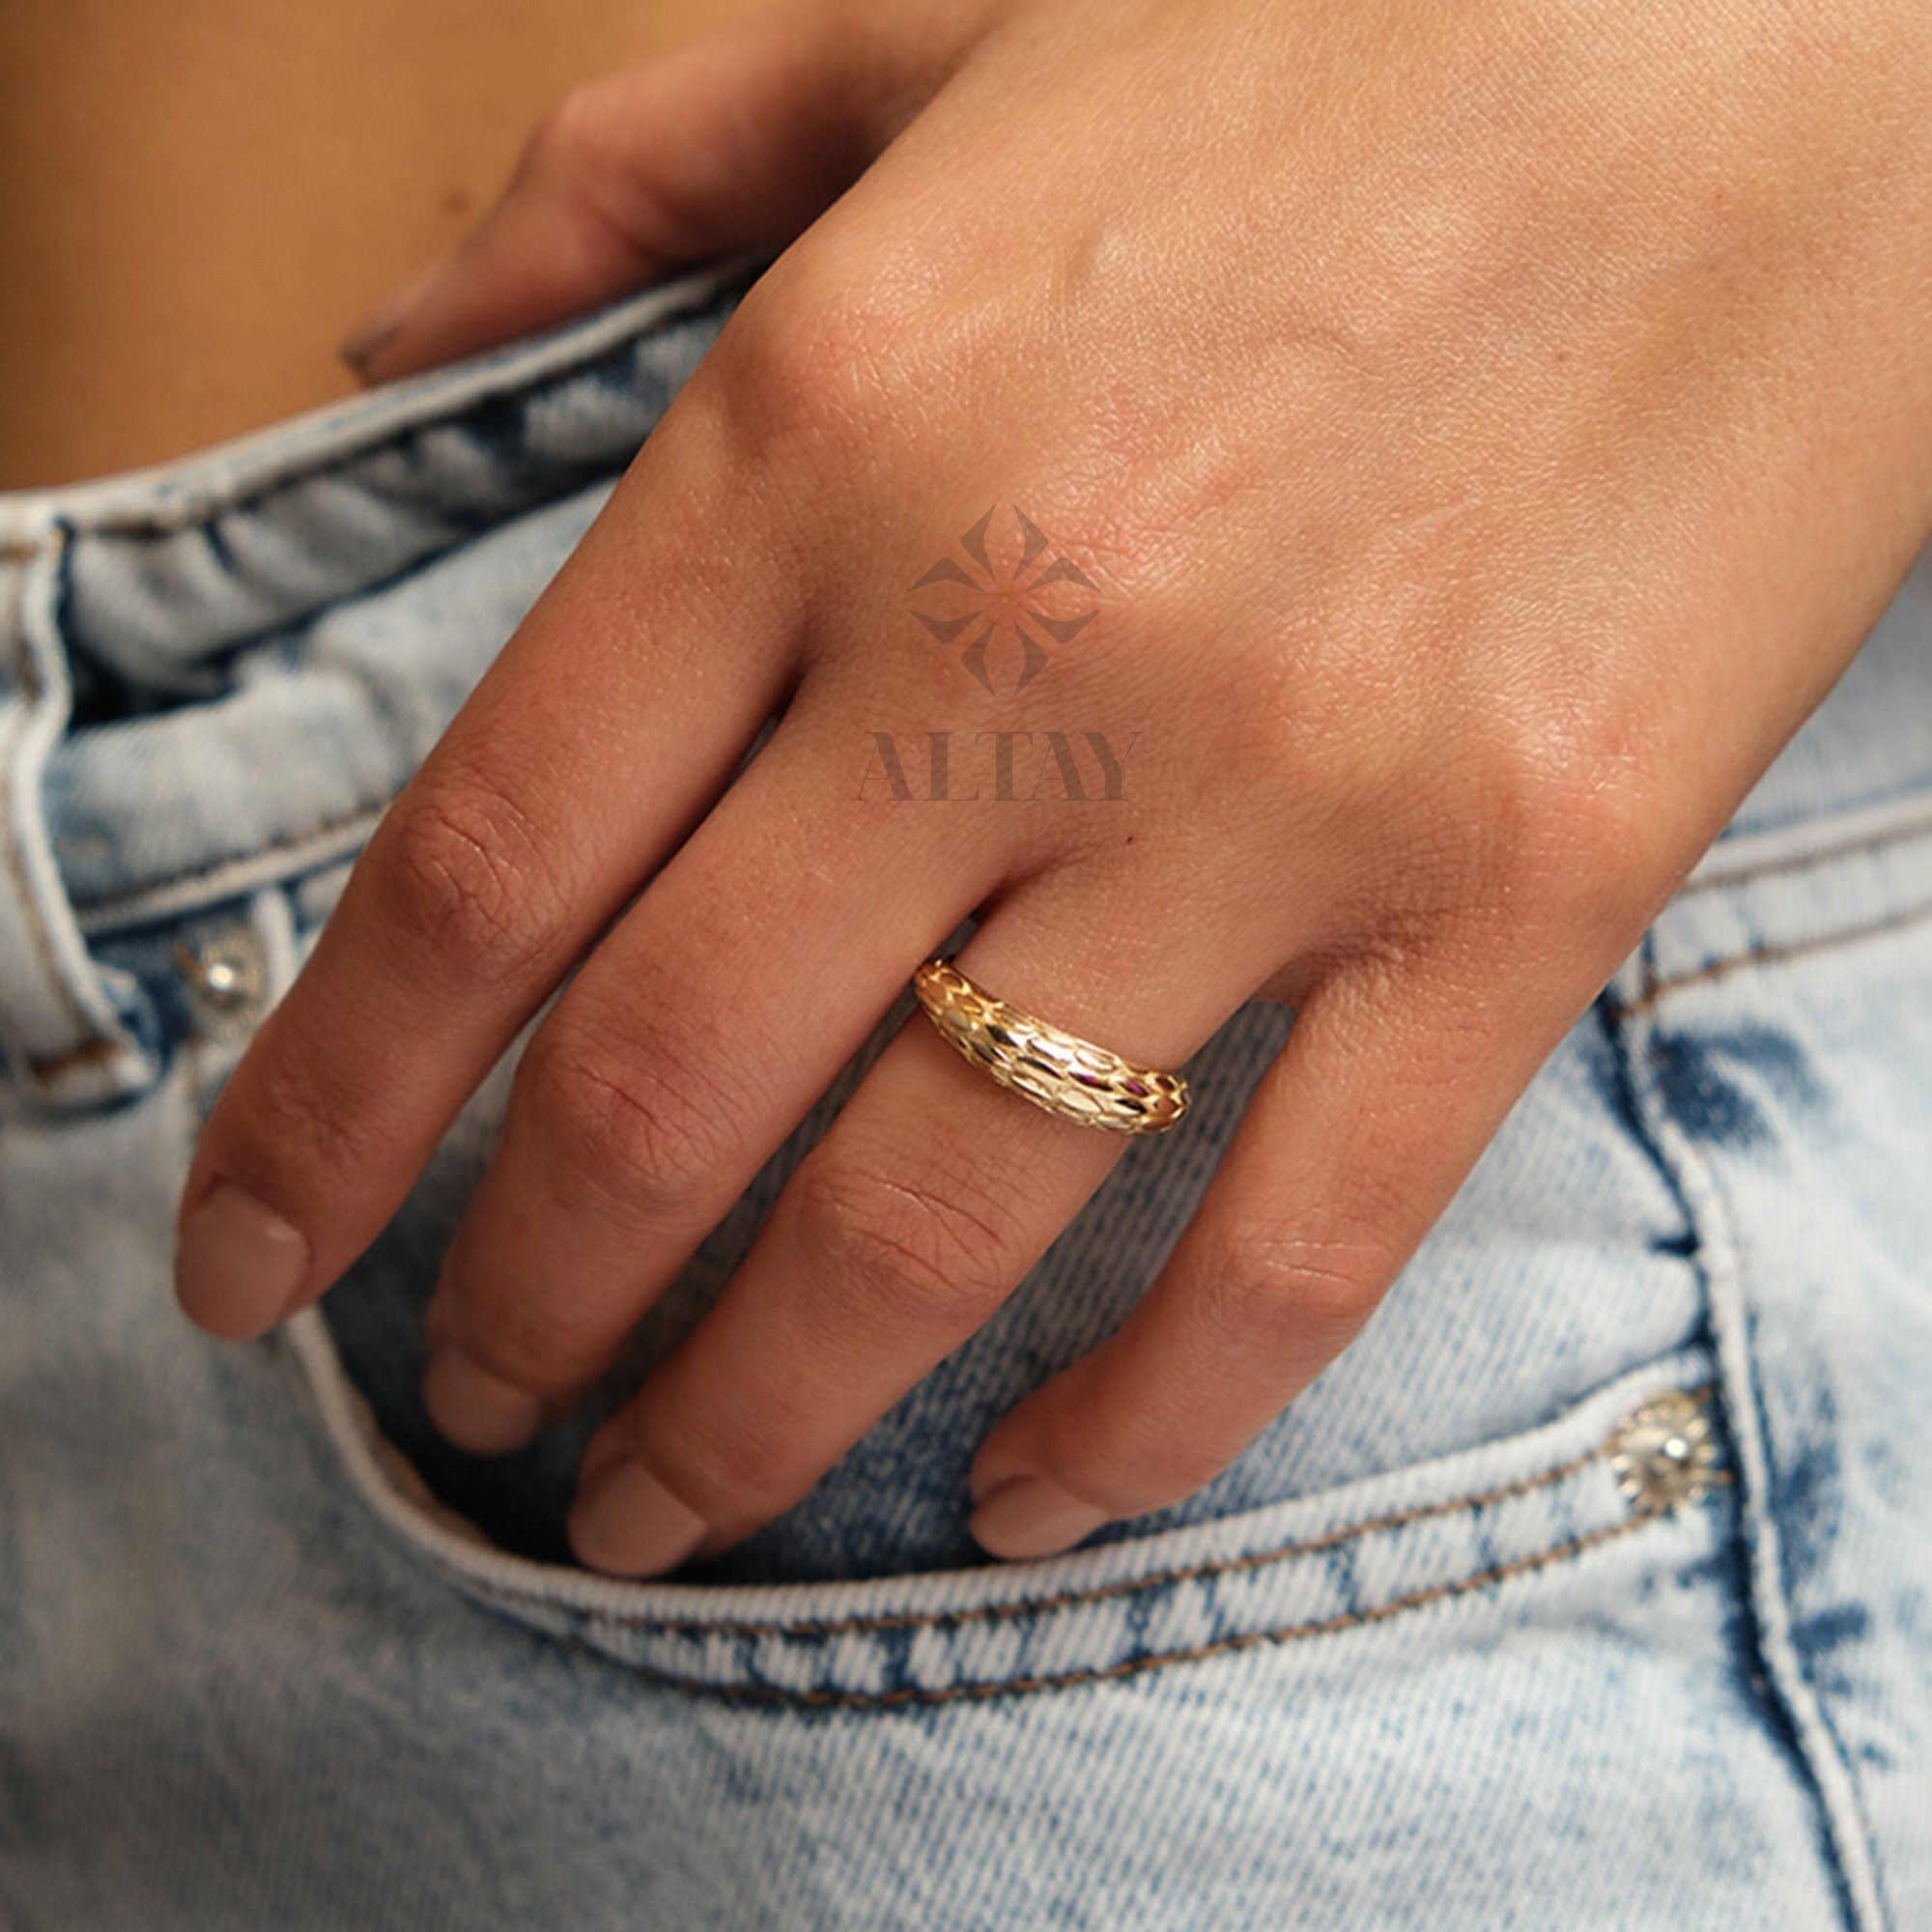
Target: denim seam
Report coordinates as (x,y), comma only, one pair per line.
(519,381)
(1653,990)
(1125,1587)
(1847,1843)
(1568,1549)
(1798,861)
(1838,1786)
(47,1067)
(108,903)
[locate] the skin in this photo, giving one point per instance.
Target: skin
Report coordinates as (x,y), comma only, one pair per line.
(210,190)
(1489,429)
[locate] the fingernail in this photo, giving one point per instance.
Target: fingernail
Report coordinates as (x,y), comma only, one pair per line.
(627,1522)
(474,1410)
(238,1265)
(1028,1516)
(387,319)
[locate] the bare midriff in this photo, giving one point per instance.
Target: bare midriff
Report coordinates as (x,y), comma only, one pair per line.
(206,195)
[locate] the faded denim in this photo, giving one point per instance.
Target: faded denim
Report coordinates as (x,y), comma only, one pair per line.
(272,1656)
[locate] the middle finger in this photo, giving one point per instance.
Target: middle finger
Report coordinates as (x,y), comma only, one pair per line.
(688,1047)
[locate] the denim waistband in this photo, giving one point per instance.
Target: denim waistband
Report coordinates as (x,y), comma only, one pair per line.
(217,672)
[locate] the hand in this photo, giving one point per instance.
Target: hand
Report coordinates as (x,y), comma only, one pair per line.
(1487,430)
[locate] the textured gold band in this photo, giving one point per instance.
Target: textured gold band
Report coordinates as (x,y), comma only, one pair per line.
(1057,1070)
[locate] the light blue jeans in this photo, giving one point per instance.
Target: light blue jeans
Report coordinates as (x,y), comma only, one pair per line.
(1592,1587)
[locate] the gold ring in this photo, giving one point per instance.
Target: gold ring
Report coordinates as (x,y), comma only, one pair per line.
(1060,1072)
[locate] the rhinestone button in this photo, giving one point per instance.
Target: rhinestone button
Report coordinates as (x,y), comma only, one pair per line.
(1662,1453)
(227,976)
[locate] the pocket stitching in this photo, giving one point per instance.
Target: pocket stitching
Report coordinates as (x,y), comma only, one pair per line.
(821,1699)
(859,1624)
(1655,990)
(1918,827)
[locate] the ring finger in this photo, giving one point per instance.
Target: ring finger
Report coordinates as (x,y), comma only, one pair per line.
(900,1235)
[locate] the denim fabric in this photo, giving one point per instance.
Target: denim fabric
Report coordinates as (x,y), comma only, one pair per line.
(1428,1654)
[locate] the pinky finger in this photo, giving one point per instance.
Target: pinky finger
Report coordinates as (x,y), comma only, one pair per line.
(1387,1091)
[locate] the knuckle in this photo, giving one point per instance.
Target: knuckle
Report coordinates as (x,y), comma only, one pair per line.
(941,1248)
(814,356)
(631,1112)
(1130,1475)
(1562,837)
(1104,1452)
(1278,1286)
(1187,1465)
(1526,824)
(583,158)
(1592,860)
(301,1112)
(581,137)
(1114,1454)
(458,871)
(737,1471)
(544,1345)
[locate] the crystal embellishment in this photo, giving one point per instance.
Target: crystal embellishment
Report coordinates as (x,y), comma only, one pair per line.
(1662,1453)
(227,976)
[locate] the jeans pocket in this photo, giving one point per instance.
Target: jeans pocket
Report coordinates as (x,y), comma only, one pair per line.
(1438,1458)
(1471,1524)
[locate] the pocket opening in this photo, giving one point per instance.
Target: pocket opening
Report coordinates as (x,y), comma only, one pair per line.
(1352,1557)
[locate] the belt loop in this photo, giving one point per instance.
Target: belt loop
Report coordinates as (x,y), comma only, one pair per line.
(66,1042)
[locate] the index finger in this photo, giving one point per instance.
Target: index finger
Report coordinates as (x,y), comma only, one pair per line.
(620,707)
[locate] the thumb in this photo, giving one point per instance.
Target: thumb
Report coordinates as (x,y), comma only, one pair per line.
(734,140)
